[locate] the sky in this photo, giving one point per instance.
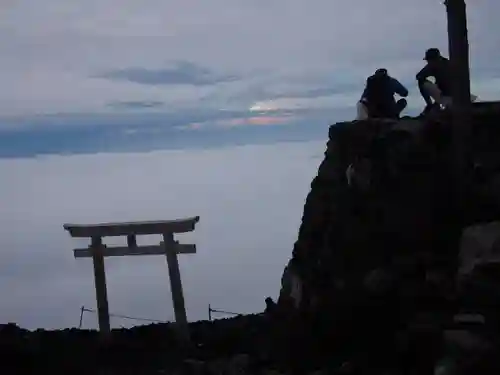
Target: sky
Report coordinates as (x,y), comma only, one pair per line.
(104,90)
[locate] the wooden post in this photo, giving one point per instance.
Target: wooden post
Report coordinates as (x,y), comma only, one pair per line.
(209,313)
(100,285)
(461,119)
(82,309)
(131,241)
(176,286)
(461,95)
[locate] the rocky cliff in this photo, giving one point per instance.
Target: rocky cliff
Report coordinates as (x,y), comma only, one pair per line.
(382,240)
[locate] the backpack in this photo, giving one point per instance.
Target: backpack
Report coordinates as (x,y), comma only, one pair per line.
(379,90)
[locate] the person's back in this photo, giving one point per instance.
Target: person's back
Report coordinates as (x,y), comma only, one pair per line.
(442,74)
(378,96)
(378,89)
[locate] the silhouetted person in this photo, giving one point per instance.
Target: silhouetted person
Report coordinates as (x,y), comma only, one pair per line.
(439,93)
(438,67)
(378,100)
(270,306)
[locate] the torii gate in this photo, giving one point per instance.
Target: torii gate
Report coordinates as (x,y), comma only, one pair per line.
(169,247)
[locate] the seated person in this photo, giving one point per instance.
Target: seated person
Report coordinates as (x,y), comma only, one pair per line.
(378,100)
(440,92)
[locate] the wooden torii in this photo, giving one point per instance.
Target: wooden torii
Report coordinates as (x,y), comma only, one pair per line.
(169,247)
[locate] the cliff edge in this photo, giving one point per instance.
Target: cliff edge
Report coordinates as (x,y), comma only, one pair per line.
(382,244)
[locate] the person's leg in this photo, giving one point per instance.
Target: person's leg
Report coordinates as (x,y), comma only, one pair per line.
(422,86)
(390,110)
(400,106)
(432,91)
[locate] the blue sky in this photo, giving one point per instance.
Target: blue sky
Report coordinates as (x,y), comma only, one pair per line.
(123,110)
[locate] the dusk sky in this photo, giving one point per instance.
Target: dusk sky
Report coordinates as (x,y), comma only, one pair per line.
(158,109)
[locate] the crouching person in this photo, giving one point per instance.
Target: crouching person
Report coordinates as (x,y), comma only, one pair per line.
(438,94)
(378,100)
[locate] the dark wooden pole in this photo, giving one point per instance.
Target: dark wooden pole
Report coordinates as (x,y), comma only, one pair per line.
(176,287)
(461,108)
(81,317)
(100,285)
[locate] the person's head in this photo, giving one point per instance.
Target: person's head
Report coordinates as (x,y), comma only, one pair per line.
(432,54)
(382,72)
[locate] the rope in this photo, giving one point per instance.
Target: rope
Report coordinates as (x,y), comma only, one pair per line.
(224,312)
(128,317)
(210,311)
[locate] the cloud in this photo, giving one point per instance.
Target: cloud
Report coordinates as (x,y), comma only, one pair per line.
(184,73)
(256,120)
(232,189)
(297,103)
(145,130)
(136,104)
(259,120)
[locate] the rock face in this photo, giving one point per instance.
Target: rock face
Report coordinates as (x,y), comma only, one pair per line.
(380,241)
(373,195)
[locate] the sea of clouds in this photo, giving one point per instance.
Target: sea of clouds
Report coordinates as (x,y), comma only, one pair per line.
(250,200)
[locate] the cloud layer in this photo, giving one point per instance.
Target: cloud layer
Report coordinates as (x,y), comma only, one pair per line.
(250,200)
(184,73)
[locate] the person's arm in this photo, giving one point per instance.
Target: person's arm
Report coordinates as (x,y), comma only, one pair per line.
(399,88)
(425,73)
(365,92)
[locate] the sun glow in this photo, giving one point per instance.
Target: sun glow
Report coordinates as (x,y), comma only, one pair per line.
(263,106)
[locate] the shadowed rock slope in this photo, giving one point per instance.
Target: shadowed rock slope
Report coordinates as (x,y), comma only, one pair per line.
(150,349)
(386,186)
(382,240)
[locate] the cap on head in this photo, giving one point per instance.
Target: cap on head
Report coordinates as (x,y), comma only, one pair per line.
(432,54)
(381,72)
